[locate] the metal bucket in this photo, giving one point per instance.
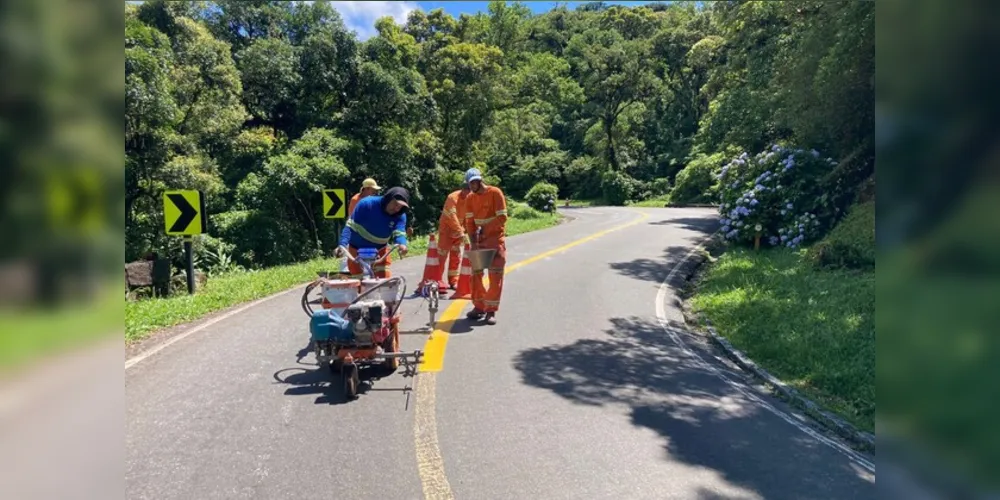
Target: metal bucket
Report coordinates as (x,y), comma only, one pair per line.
(481,259)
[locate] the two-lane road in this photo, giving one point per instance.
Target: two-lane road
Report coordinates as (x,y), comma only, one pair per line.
(589,387)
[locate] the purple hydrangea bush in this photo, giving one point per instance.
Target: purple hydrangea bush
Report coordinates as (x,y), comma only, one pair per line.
(776,194)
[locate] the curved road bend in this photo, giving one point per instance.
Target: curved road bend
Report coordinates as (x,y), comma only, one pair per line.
(585,389)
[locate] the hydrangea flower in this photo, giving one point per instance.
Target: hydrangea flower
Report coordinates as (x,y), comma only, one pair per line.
(773,241)
(753,202)
(788,206)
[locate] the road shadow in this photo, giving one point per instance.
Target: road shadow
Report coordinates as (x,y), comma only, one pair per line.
(655,270)
(705,225)
(702,420)
(325,385)
(460,326)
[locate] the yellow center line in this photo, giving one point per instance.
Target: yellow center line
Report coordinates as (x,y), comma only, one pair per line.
(437,343)
(430,463)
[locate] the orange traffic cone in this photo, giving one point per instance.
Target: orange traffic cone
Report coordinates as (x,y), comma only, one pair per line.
(432,268)
(464,288)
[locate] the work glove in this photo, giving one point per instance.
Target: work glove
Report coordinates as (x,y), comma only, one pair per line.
(402,250)
(339,252)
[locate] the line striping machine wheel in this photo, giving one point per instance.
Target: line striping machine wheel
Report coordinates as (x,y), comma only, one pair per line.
(351,380)
(391,345)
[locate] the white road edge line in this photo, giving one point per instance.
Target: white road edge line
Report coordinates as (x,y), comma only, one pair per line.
(177,338)
(661,316)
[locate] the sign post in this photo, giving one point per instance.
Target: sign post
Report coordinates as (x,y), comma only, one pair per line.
(184,215)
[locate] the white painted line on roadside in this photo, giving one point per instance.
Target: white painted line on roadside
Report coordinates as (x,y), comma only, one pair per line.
(177,338)
(661,296)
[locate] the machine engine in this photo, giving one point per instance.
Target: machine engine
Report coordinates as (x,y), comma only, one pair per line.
(368,321)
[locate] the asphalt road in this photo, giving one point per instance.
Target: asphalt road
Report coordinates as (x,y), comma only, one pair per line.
(587,388)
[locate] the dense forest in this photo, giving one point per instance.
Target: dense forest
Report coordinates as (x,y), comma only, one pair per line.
(262,104)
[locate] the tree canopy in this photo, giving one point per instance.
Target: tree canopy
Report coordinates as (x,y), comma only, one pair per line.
(262,104)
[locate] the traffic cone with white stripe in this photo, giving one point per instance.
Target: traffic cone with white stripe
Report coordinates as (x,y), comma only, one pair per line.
(432,268)
(464,289)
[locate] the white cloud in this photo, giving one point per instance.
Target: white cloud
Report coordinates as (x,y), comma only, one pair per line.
(361,16)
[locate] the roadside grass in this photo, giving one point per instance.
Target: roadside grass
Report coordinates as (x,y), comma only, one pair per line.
(223,291)
(582,203)
(814,329)
(655,202)
(26,335)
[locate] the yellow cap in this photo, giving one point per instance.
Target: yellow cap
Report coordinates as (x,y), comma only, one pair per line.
(370,183)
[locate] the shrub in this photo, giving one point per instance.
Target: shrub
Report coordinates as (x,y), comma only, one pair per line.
(542,196)
(618,187)
(851,243)
(262,240)
(776,194)
(659,187)
(584,177)
(696,183)
(522,211)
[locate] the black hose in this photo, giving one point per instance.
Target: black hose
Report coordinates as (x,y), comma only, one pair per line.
(309,311)
(305,298)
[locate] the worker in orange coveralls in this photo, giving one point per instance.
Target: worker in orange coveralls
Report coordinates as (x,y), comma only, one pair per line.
(451,234)
(486,225)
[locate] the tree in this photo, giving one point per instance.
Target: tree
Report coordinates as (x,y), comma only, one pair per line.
(614,76)
(463,80)
(150,109)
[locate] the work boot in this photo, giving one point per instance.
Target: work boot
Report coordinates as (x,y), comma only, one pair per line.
(475,314)
(491,318)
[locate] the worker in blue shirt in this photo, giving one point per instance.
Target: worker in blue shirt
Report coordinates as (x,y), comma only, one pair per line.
(376,221)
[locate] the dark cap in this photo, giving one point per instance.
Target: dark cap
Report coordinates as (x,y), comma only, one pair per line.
(399,194)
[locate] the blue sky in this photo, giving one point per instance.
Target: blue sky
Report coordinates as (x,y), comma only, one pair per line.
(361,16)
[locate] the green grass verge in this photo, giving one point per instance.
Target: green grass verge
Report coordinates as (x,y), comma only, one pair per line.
(220,292)
(26,335)
(851,243)
(655,202)
(812,328)
(582,203)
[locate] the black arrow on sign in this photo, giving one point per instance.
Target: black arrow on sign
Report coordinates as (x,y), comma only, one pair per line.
(188,213)
(335,203)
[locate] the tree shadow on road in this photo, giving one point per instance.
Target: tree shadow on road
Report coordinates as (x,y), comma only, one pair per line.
(703,421)
(655,270)
(705,225)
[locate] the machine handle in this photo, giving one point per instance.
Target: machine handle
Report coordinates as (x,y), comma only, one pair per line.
(381,259)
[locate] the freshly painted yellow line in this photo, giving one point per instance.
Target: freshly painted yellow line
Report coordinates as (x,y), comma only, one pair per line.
(437,343)
(433,358)
(430,463)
